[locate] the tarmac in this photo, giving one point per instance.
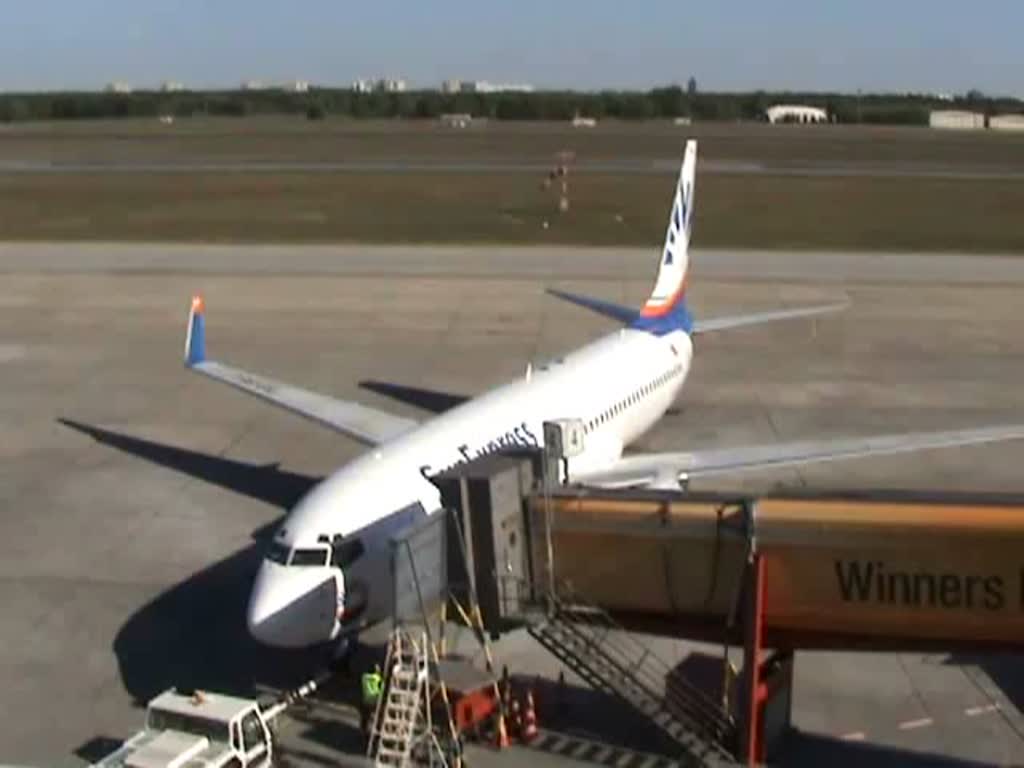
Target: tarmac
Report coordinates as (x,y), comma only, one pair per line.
(134,494)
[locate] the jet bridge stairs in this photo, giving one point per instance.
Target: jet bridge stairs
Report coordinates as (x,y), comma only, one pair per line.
(589,642)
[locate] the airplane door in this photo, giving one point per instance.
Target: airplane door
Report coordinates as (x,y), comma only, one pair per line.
(419,577)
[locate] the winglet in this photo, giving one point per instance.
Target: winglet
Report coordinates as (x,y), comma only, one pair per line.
(195,336)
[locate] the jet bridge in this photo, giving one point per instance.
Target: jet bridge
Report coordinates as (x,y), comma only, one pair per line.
(875,570)
(869,571)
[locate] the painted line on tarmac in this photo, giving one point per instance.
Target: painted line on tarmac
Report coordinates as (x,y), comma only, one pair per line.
(975,711)
(924,722)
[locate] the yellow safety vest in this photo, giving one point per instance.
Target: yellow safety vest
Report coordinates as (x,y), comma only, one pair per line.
(371,687)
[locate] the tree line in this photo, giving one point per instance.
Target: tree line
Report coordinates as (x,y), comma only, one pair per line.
(317,103)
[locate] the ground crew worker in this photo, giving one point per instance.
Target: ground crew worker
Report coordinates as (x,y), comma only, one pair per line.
(372,683)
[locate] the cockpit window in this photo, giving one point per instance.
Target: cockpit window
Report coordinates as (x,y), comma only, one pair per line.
(316,556)
(278,553)
(347,552)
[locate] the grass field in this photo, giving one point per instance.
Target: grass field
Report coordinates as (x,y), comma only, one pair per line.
(756,211)
(763,209)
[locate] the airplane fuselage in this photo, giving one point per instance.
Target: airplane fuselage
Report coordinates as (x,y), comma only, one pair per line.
(618,386)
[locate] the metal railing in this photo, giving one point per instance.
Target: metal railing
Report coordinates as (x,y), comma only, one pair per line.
(630,660)
(637,660)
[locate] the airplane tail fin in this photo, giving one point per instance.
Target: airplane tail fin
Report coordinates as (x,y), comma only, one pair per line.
(665,309)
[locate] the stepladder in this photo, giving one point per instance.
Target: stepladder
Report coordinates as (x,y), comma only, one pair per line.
(402,721)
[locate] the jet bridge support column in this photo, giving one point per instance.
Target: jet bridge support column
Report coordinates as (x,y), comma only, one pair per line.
(750,681)
(765,697)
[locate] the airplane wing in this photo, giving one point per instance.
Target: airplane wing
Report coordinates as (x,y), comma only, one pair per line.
(665,470)
(365,424)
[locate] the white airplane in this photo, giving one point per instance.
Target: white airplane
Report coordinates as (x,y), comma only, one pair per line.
(328,563)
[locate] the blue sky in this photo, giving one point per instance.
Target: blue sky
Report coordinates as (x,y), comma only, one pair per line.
(896,45)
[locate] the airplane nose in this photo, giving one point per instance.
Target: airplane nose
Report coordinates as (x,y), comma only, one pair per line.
(292,607)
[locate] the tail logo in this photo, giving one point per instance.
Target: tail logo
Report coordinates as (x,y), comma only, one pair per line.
(680,220)
(686,205)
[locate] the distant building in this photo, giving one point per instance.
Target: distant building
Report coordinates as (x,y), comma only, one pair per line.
(297,86)
(1006,122)
(171,86)
(583,122)
(956,119)
(796,113)
(482,86)
(683,121)
(118,86)
(451,86)
(386,84)
(253,85)
(457,120)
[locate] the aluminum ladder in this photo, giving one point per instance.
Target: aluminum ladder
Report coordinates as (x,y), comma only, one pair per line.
(402,706)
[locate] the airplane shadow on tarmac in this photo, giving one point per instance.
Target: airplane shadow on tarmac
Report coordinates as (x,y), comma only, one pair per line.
(194,633)
(430,400)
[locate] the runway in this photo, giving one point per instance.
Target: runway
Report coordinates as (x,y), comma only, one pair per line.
(657,166)
(127,541)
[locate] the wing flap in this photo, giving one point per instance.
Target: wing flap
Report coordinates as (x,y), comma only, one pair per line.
(663,470)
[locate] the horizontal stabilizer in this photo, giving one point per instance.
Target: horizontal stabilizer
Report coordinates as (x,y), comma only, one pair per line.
(602,307)
(741,321)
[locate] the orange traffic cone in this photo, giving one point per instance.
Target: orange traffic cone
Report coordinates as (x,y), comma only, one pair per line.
(529,719)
